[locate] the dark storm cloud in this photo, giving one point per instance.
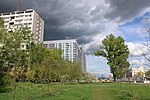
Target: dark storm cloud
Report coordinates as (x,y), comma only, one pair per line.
(126,9)
(12,5)
(7,6)
(65,18)
(80,19)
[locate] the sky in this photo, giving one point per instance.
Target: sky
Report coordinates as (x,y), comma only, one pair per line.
(90,21)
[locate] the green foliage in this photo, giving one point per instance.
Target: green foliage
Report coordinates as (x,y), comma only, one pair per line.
(50,65)
(44,63)
(139,74)
(147,74)
(116,52)
(47,65)
(75,71)
(1,23)
(36,54)
(22,60)
(3,69)
(70,71)
(14,52)
(15,47)
(88,77)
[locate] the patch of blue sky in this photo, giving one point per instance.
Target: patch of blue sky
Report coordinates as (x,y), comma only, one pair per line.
(137,19)
(130,33)
(133,30)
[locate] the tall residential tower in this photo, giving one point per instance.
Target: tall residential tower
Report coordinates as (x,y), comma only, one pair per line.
(71,50)
(28,18)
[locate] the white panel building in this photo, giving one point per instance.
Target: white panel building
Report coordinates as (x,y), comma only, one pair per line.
(28,18)
(71,50)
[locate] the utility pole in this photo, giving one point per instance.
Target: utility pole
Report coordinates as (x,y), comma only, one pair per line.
(18,5)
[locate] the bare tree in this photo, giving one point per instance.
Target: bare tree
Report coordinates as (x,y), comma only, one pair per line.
(145,48)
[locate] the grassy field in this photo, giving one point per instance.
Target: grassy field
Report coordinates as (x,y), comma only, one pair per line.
(95,91)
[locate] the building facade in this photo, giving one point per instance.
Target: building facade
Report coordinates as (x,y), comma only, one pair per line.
(71,50)
(138,70)
(28,18)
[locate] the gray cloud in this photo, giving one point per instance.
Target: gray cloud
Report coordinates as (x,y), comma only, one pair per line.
(124,10)
(80,19)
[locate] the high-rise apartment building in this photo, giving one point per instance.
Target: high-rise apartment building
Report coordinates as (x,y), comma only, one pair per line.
(28,18)
(71,50)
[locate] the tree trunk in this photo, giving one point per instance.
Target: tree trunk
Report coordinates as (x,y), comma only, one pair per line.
(61,81)
(78,80)
(114,76)
(14,87)
(49,88)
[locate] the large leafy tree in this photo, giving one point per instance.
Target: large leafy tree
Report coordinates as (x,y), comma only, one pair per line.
(116,52)
(36,54)
(70,71)
(50,65)
(15,48)
(44,65)
(65,70)
(75,71)
(3,69)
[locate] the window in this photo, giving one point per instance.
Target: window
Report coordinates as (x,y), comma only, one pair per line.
(6,21)
(5,18)
(5,26)
(18,20)
(29,11)
(6,14)
(22,46)
(20,16)
(20,12)
(11,23)
(28,15)
(12,17)
(45,45)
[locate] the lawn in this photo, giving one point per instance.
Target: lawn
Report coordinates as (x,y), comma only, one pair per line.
(93,91)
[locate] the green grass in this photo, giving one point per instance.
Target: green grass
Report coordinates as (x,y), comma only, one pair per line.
(95,91)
